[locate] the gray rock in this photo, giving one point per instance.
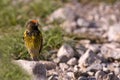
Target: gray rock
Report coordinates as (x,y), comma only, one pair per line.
(71,75)
(36,68)
(69,26)
(87,59)
(114,33)
(53,77)
(82,78)
(57,15)
(115,67)
(92,79)
(109,51)
(80,50)
(65,53)
(111,76)
(63,66)
(99,75)
(94,47)
(72,61)
(61,14)
(82,22)
(39,72)
(84,42)
(76,68)
(106,68)
(94,67)
(90,73)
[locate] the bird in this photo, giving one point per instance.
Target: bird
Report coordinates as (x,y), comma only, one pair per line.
(33,39)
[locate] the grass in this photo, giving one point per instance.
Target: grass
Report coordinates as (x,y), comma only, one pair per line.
(13,15)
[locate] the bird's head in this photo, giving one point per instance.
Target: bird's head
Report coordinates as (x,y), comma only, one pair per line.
(32,25)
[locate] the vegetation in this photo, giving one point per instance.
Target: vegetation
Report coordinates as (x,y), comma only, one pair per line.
(13,15)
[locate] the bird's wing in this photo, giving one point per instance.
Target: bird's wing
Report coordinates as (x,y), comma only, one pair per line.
(41,42)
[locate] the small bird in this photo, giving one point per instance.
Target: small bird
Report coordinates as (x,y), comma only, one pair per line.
(33,39)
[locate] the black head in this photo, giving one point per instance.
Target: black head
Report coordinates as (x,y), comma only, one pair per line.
(32,25)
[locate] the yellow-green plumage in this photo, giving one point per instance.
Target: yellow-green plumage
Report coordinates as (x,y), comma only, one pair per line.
(33,42)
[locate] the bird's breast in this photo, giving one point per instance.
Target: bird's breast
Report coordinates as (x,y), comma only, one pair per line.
(32,41)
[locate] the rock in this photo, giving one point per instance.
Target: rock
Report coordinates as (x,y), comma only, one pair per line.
(49,64)
(111,76)
(84,42)
(94,47)
(94,67)
(87,59)
(37,69)
(69,26)
(80,51)
(118,76)
(65,53)
(61,14)
(57,60)
(29,65)
(99,75)
(71,75)
(117,69)
(82,78)
(70,69)
(92,78)
(57,15)
(91,73)
(72,61)
(105,67)
(53,77)
(63,66)
(110,52)
(70,13)
(82,22)
(114,33)
(76,68)
(39,72)
(79,73)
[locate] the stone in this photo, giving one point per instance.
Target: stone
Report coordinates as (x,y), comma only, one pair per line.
(82,78)
(115,67)
(61,14)
(82,22)
(109,51)
(87,59)
(94,47)
(94,67)
(35,68)
(69,26)
(80,50)
(53,77)
(57,15)
(63,66)
(111,76)
(106,68)
(71,75)
(114,33)
(28,66)
(92,78)
(65,53)
(99,75)
(39,72)
(72,61)
(76,68)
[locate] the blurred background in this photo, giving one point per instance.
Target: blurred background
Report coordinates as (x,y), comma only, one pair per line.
(62,21)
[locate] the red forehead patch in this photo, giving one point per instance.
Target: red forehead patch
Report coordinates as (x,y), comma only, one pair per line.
(34,21)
